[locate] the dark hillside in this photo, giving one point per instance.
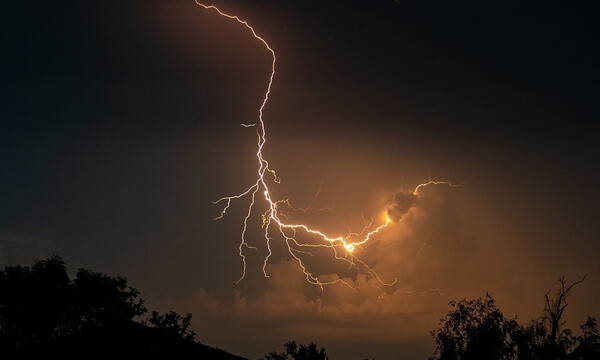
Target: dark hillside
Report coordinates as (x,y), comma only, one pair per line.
(127,340)
(45,314)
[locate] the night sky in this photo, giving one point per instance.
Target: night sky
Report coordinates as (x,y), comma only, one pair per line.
(120,124)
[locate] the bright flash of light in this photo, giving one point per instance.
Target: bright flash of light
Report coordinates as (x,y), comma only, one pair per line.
(275,220)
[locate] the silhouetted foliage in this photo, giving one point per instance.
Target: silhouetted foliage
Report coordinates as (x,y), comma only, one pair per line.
(40,303)
(173,324)
(559,341)
(43,312)
(545,338)
(474,329)
(34,302)
(477,329)
(298,352)
(101,299)
(530,341)
(588,343)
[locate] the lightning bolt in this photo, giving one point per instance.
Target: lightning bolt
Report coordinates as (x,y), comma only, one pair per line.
(342,247)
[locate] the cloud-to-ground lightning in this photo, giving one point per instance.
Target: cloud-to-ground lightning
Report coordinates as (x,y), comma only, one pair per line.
(275,221)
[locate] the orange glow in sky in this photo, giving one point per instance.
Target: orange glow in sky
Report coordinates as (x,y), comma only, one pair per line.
(342,246)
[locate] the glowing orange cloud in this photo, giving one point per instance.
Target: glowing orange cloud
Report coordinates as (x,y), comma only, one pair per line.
(343,247)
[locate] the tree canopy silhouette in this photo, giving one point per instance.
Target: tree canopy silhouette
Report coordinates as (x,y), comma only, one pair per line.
(477,329)
(43,312)
(293,351)
(474,329)
(40,303)
(173,324)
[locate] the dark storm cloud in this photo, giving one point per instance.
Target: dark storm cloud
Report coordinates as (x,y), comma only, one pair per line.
(402,202)
(367,311)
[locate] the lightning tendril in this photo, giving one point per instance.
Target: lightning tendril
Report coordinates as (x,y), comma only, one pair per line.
(342,247)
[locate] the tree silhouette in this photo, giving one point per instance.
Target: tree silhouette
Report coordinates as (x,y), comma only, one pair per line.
(35,302)
(474,329)
(298,352)
(41,303)
(102,300)
(477,329)
(530,341)
(44,313)
(559,341)
(545,338)
(173,324)
(589,342)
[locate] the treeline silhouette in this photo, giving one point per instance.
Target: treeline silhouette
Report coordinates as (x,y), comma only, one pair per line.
(44,313)
(477,329)
(293,351)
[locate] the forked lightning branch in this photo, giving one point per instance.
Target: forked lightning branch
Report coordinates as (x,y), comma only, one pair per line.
(275,222)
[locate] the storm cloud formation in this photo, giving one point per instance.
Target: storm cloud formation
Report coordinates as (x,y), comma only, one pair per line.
(416,252)
(402,202)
